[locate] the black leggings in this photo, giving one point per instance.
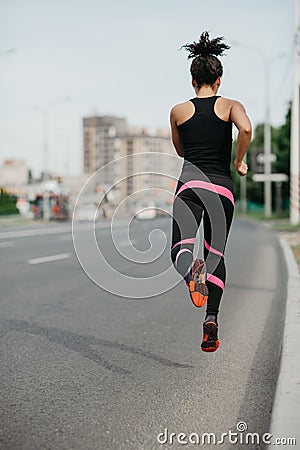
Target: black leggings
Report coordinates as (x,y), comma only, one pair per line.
(211,196)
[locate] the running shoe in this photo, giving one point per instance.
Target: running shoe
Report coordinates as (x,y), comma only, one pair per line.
(196,283)
(210,341)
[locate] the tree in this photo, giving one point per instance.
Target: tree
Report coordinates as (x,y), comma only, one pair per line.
(280,145)
(8,203)
(29,177)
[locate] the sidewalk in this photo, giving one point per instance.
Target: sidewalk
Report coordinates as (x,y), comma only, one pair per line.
(293,239)
(13,220)
(286,407)
(285,418)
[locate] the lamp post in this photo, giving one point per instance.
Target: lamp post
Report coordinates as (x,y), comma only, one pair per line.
(267,142)
(45,113)
(294,161)
(7,52)
(267,126)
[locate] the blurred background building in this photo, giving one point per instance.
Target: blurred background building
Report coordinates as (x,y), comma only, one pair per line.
(108,138)
(133,159)
(14,173)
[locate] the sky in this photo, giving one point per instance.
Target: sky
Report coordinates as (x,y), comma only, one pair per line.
(77,58)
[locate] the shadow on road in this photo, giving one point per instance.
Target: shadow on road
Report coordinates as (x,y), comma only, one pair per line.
(82,345)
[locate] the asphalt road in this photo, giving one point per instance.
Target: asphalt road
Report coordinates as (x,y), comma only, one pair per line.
(84,369)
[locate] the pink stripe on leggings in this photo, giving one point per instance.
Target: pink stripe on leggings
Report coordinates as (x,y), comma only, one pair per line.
(184,241)
(213,250)
(213,279)
(209,186)
(181,251)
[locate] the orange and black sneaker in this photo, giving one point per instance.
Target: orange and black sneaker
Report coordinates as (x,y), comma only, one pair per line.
(210,341)
(196,283)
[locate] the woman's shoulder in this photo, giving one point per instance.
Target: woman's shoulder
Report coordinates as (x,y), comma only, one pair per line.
(229,101)
(223,107)
(182,111)
(181,106)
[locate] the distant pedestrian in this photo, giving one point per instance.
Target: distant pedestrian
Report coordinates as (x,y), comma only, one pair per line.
(202,135)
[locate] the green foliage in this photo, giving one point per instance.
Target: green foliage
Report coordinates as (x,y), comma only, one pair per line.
(280,145)
(255,191)
(235,175)
(8,203)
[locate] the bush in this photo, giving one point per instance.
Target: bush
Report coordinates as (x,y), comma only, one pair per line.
(8,203)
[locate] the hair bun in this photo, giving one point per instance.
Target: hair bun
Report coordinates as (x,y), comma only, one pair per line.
(206,47)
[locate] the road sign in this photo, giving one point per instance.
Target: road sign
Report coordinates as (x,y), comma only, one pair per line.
(262,158)
(270,177)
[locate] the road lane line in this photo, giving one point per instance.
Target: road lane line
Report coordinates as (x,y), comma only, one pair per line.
(125,243)
(49,258)
(59,230)
(33,232)
(7,244)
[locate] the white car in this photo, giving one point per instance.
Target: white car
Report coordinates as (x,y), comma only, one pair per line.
(86,212)
(145,210)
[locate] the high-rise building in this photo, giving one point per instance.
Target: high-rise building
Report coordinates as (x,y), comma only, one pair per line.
(100,136)
(108,139)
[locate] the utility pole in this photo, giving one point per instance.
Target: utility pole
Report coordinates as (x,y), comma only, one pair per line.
(267,146)
(46,206)
(45,113)
(294,159)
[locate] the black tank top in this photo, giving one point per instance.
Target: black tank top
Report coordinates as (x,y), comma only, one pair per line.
(207,139)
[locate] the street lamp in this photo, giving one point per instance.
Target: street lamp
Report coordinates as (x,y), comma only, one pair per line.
(45,113)
(7,52)
(267,126)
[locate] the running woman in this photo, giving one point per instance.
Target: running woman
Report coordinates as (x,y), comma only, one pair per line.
(202,135)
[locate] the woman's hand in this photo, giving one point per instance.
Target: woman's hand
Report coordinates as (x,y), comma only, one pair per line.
(241,168)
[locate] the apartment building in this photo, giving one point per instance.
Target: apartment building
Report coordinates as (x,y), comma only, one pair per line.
(108,139)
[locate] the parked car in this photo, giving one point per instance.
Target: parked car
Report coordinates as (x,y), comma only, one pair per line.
(145,210)
(86,212)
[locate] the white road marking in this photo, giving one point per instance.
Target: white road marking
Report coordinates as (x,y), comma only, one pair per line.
(49,258)
(126,243)
(59,230)
(7,244)
(32,232)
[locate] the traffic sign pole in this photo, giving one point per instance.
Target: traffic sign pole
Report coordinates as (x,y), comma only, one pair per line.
(270,177)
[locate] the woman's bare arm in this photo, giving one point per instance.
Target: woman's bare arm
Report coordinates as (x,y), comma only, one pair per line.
(239,117)
(175,134)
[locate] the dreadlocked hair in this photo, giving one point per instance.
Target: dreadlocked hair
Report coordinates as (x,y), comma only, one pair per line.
(206,67)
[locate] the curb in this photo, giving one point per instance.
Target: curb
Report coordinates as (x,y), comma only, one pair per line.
(285,418)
